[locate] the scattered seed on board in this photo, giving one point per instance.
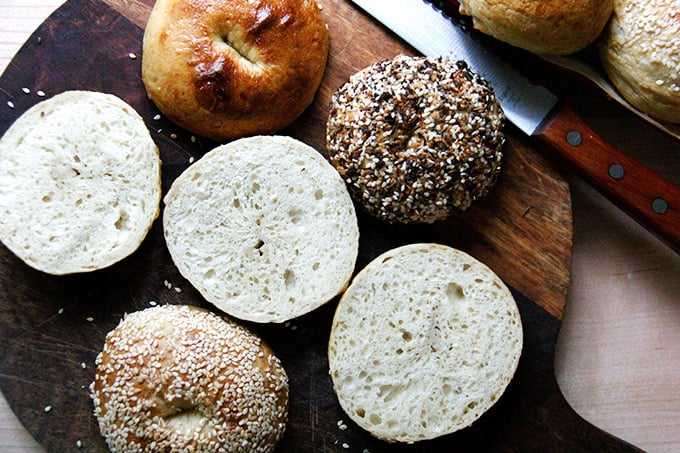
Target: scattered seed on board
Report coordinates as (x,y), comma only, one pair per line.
(157,117)
(10,104)
(40,93)
(47,408)
(132,56)
(26,90)
(89,319)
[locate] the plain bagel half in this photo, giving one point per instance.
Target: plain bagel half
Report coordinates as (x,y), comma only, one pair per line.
(227,69)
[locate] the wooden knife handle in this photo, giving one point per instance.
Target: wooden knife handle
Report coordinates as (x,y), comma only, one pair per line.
(651,200)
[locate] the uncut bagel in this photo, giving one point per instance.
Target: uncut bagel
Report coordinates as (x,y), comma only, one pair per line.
(640,51)
(79,183)
(227,69)
(548,27)
(416,138)
(263,227)
(181,378)
(423,342)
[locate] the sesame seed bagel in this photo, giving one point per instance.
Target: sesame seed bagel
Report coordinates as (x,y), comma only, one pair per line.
(227,69)
(80,183)
(263,227)
(640,51)
(416,138)
(180,378)
(424,341)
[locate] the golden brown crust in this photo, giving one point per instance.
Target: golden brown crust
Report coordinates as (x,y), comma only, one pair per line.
(550,27)
(640,51)
(181,378)
(226,69)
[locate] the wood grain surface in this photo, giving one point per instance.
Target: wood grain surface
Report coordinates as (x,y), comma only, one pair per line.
(475,236)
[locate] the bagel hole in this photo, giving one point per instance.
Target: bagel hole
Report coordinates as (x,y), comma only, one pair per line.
(186,420)
(233,39)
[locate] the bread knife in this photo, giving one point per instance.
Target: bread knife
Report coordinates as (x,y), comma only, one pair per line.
(647,197)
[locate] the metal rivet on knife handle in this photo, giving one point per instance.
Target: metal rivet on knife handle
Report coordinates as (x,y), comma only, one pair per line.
(616,171)
(660,206)
(574,138)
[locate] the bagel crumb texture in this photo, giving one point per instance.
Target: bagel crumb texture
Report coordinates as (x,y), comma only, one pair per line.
(416,138)
(181,378)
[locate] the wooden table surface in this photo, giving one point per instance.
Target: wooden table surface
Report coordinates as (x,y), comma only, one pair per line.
(618,355)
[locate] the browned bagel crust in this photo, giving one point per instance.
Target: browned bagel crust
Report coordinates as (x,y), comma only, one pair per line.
(227,69)
(181,378)
(552,27)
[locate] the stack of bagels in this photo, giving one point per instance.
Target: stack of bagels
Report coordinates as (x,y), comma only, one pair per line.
(638,41)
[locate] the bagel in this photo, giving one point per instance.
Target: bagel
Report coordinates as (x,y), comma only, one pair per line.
(423,342)
(547,27)
(263,227)
(227,69)
(640,51)
(181,378)
(416,138)
(80,183)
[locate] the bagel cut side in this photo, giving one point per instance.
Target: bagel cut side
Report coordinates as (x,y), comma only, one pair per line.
(228,69)
(423,342)
(80,183)
(263,227)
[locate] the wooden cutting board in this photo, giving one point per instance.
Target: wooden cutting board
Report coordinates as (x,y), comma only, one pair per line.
(52,328)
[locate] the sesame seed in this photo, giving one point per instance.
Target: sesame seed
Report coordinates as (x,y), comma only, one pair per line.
(89,319)
(26,90)
(132,56)
(60,311)
(173,136)
(47,409)
(10,104)
(79,444)
(83,365)
(157,117)
(40,93)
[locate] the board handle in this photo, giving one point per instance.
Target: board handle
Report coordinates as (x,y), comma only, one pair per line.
(647,197)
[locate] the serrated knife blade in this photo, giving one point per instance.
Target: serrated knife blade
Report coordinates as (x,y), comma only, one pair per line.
(431,33)
(651,200)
